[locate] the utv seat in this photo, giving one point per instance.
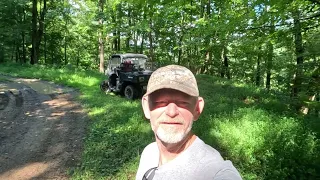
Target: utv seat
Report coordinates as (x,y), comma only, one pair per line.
(113,80)
(126,67)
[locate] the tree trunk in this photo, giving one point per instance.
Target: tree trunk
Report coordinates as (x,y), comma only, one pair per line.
(222,71)
(13,50)
(41,27)
(65,42)
(151,56)
(225,62)
(78,57)
(180,49)
(135,42)
(129,31)
(202,8)
(1,54)
(45,42)
(150,13)
(115,43)
(114,33)
(17,53)
(269,64)
(299,55)
(317,110)
(34,58)
(37,33)
(101,43)
(52,57)
(119,18)
(209,8)
(24,58)
(270,55)
(142,44)
(45,47)
(258,78)
(118,41)
(65,51)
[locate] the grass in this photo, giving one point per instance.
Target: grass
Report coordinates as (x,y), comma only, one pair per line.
(256,130)
(2,79)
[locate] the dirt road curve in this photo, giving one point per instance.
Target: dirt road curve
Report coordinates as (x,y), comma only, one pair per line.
(41,131)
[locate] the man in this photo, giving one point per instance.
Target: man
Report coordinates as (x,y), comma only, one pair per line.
(172,103)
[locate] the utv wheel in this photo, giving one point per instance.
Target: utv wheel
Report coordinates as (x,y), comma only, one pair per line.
(104,86)
(130,92)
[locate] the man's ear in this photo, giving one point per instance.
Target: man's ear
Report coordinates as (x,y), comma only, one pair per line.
(199,108)
(145,106)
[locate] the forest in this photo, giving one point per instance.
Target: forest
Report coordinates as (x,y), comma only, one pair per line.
(270,46)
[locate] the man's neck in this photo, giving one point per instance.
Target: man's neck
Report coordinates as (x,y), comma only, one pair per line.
(170,151)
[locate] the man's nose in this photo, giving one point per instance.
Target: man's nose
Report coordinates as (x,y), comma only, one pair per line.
(172,110)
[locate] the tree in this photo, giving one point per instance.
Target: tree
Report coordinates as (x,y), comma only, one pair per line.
(37,32)
(101,43)
(261,42)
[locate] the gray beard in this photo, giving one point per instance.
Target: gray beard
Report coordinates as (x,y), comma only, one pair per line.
(171,135)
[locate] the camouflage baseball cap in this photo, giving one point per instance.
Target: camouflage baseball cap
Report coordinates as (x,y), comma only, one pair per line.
(173,77)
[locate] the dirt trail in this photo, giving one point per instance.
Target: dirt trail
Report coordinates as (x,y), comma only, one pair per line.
(41,129)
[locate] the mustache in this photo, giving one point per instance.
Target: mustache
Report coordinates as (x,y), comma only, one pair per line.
(170,120)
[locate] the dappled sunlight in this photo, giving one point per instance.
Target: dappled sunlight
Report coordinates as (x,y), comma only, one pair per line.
(128,103)
(118,126)
(243,130)
(110,107)
(37,113)
(84,80)
(57,103)
(135,123)
(237,84)
(255,136)
(58,114)
(96,111)
(42,87)
(3,87)
(26,172)
(42,138)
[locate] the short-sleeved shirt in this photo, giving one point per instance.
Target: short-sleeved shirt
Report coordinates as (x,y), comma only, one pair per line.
(199,161)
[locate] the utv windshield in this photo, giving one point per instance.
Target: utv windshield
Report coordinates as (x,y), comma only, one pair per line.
(139,62)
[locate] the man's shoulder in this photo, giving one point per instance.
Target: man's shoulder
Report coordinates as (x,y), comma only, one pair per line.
(150,150)
(216,163)
(207,152)
(149,159)
(150,147)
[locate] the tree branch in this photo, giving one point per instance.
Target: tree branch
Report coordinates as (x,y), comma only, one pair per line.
(311,27)
(315,1)
(311,17)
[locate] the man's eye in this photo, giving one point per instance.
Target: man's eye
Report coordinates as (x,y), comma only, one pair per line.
(161,103)
(183,104)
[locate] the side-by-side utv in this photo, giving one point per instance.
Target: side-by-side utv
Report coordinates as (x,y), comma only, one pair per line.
(128,74)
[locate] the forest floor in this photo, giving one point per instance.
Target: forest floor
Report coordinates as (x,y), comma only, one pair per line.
(42,129)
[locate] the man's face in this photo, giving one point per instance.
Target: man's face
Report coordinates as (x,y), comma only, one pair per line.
(172,114)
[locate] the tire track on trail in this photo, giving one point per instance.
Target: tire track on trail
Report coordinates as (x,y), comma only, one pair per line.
(41,135)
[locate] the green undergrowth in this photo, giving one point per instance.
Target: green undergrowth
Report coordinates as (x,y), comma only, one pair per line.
(4,79)
(254,129)
(258,131)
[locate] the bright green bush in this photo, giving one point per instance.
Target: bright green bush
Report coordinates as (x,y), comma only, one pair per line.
(268,146)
